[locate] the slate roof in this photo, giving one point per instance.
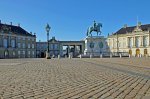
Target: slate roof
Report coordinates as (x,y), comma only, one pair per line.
(17,30)
(123,30)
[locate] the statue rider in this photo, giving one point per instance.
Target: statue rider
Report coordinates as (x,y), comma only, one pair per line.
(94,24)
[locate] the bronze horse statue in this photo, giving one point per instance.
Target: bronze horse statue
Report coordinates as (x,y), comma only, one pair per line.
(96,28)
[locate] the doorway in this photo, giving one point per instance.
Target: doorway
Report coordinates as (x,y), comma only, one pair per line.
(137,52)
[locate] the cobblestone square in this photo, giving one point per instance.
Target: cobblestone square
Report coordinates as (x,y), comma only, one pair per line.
(96,78)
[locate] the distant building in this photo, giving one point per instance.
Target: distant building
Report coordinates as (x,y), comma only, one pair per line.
(135,40)
(15,42)
(62,48)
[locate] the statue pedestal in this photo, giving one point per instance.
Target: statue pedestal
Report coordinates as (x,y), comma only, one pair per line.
(47,55)
(95,45)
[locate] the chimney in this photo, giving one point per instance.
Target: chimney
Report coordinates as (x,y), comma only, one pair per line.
(108,34)
(34,33)
(0,21)
(18,24)
(125,26)
(10,23)
(30,32)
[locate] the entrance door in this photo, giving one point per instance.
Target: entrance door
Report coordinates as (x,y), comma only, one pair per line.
(42,55)
(137,52)
(145,52)
(130,52)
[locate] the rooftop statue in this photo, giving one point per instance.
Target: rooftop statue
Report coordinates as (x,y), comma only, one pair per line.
(96,28)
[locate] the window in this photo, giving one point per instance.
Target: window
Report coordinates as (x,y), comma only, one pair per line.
(29,46)
(145,41)
(23,45)
(5,43)
(18,52)
(19,45)
(24,38)
(130,42)
(32,52)
(13,43)
(28,52)
(28,39)
(32,45)
(56,46)
(33,40)
(19,38)
(51,46)
(23,52)
(137,42)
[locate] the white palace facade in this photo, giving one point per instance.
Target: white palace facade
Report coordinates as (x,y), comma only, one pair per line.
(134,40)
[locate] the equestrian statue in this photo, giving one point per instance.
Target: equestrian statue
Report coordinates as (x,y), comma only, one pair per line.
(96,28)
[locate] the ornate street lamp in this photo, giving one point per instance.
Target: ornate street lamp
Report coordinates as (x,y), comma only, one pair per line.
(47,30)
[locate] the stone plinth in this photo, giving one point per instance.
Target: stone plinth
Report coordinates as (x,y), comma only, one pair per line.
(95,45)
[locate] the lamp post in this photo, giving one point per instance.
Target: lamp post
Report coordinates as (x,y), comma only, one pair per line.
(47,30)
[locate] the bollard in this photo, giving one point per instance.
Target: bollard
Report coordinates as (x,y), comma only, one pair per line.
(138,55)
(110,55)
(58,56)
(69,56)
(120,55)
(101,56)
(129,56)
(90,56)
(80,56)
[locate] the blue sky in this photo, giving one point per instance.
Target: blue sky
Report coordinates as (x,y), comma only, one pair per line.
(69,19)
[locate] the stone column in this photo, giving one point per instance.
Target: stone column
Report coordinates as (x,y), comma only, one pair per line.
(149,38)
(1,39)
(16,41)
(134,41)
(128,42)
(75,49)
(113,44)
(10,42)
(141,40)
(68,50)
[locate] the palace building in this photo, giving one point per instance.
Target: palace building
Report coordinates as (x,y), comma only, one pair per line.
(15,42)
(135,40)
(62,48)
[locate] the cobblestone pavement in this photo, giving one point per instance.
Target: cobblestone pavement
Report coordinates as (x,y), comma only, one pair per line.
(95,78)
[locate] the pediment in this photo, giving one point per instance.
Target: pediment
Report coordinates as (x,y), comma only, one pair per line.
(137,29)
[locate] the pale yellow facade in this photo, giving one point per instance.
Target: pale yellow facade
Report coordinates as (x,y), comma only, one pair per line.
(136,43)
